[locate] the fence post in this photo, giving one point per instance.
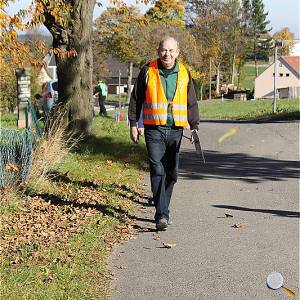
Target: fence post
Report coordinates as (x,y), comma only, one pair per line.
(23,90)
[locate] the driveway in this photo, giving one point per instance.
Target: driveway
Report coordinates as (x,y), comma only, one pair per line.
(252,176)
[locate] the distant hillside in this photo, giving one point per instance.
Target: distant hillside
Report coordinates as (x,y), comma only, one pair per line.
(247,75)
(36,36)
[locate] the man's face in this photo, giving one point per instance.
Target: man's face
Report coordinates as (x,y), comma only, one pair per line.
(167,53)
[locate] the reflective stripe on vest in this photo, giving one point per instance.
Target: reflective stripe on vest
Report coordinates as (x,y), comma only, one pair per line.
(156,104)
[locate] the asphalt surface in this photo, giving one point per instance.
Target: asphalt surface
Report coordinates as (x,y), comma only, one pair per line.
(253,176)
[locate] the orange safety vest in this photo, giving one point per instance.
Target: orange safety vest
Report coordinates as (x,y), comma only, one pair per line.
(155,107)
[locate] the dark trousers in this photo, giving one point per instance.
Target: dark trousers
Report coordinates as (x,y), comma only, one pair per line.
(163,152)
(101,106)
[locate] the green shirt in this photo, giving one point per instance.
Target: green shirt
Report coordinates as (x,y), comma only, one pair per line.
(103,87)
(168,78)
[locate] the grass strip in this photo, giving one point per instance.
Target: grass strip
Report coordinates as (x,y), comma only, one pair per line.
(57,235)
(287,109)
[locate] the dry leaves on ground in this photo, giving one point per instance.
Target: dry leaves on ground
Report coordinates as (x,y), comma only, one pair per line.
(289,292)
(226,216)
(238,225)
(42,223)
(166,245)
(157,238)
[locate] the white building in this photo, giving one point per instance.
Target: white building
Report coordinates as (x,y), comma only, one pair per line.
(296,49)
(287,79)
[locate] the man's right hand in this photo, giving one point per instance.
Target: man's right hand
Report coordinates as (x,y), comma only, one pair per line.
(134,134)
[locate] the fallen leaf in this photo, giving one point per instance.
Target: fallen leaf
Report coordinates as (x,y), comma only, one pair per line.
(122,267)
(12,167)
(289,292)
(231,132)
(165,245)
(109,162)
(228,216)
(157,238)
(238,225)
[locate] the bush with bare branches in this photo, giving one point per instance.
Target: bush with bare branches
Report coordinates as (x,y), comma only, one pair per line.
(55,144)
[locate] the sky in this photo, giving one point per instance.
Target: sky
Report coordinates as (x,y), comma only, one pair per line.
(282,13)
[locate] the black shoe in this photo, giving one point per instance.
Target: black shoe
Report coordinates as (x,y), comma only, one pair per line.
(162,224)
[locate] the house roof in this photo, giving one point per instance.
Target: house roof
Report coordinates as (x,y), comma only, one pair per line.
(43,76)
(52,61)
(49,59)
(293,61)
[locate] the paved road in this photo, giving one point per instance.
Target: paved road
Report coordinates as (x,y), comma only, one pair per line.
(253,176)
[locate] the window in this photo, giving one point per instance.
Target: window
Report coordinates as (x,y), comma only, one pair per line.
(287,75)
(281,74)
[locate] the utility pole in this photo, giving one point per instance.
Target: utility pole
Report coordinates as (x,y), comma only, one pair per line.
(210,78)
(277,44)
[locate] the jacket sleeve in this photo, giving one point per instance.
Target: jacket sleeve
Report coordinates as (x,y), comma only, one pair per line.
(137,98)
(192,106)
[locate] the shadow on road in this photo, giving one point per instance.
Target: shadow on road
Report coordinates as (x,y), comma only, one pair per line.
(237,166)
(280,213)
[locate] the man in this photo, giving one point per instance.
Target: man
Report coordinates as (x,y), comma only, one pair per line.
(164,91)
(101,92)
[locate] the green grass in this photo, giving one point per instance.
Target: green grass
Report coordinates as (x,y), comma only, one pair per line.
(287,109)
(8,120)
(107,163)
(81,276)
(116,98)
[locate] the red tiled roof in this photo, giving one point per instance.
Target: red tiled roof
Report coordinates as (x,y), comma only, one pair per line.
(293,61)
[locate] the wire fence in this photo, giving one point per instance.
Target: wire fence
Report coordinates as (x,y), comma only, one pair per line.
(16,149)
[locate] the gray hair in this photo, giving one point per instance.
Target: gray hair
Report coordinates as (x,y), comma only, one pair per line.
(166,38)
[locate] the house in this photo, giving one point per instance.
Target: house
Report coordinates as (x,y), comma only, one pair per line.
(50,62)
(287,79)
(117,81)
(43,76)
(48,71)
(114,66)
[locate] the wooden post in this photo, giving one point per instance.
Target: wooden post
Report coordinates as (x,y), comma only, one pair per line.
(23,90)
(120,90)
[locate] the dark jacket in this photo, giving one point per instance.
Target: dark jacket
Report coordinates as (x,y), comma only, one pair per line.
(139,93)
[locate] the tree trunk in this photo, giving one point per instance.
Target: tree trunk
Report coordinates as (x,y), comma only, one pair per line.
(233,69)
(130,71)
(75,73)
(255,60)
(201,92)
(256,68)
(239,76)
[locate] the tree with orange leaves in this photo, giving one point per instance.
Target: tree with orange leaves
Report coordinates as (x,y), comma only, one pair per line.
(12,54)
(70,24)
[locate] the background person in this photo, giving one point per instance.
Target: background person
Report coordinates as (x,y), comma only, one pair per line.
(165,92)
(101,92)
